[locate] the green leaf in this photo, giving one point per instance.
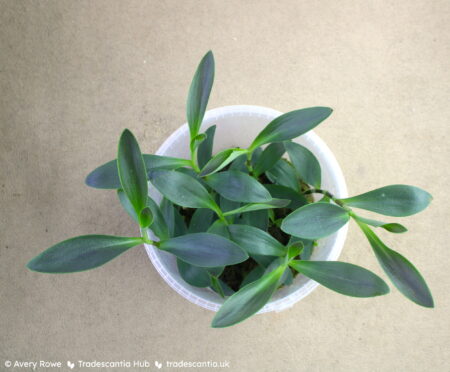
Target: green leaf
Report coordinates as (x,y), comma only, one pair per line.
(296,199)
(221,160)
(283,173)
(253,275)
(199,92)
(394,200)
(268,158)
(306,164)
(204,153)
(248,300)
(219,228)
(255,241)
(391,227)
(182,189)
(159,225)
(201,220)
(295,249)
(291,125)
(127,205)
(107,177)
(204,250)
(255,156)
(314,221)
(402,273)
(259,219)
(81,253)
(344,278)
(145,217)
(238,186)
(193,275)
(224,288)
(239,164)
(132,173)
(308,246)
(197,141)
(274,203)
(175,222)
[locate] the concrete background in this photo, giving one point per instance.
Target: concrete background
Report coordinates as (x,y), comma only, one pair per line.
(74,74)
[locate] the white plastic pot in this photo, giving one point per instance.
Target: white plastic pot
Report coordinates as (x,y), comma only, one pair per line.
(238,126)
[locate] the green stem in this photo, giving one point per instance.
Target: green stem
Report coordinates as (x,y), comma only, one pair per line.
(328,194)
(146,239)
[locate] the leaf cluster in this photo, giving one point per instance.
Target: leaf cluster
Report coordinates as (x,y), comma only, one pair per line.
(243,221)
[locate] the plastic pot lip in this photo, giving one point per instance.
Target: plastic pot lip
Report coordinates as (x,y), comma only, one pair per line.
(205,297)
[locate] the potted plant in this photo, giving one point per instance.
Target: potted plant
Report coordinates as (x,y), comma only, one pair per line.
(244,222)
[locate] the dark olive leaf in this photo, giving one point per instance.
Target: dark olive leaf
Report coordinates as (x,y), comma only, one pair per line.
(253,275)
(127,205)
(394,200)
(255,156)
(274,203)
(224,288)
(204,250)
(315,221)
(201,220)
(219,228)
(193,275)
(145,217)
(199,92)
(159,226)
(391,227)
(182,189)
(204,153)
(248,300)
(238,186)
(268,158)
(342,277)
(283,173)
(255,241)
(131,169)
(221,160)
(308,246)
(306,164)
(81,253)
(400,271)
(107,177)
(297,200)
(239,164)
(291,125)
(259,219)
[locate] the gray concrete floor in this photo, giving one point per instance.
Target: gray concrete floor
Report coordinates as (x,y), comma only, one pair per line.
(74,74)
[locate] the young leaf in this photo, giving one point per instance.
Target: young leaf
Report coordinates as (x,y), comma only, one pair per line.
(224,288)
(199,92)
(255,241)
(145,217)
(268,158)
(394,200)
(274,203)
(221,160)
(204,153)
(131,168)
(344,278)
(283,173)
(107,177)
(197,141)
(248,300)
(296,199)
(238,186)
(308,246)
(295,249)
(306,164)
(314,221)
(81,253)
(182,189)
(291,125)
(402,273)
(204,250)
(391,227)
